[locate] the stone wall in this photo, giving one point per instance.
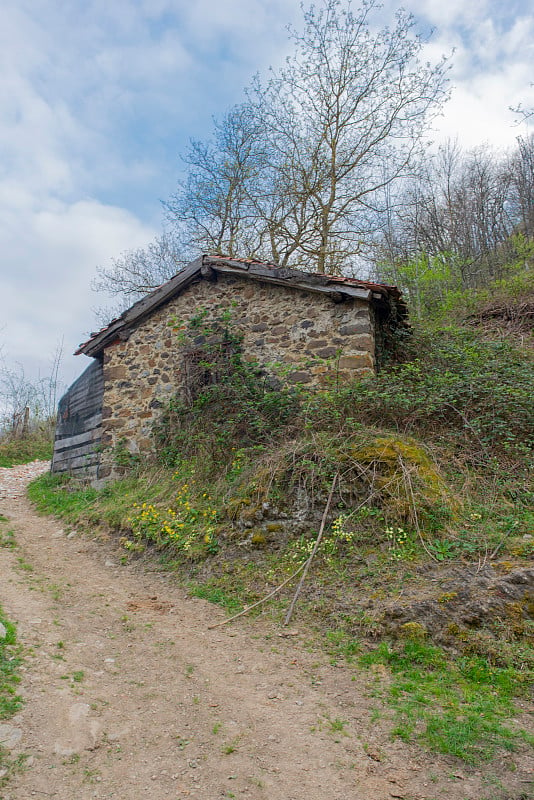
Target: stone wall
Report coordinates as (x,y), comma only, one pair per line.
(313,337)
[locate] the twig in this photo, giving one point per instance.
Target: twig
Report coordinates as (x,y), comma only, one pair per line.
(500,544)
(409,486)
(471,427)
(306,563)
(259,602)
(303,566)
(313,552)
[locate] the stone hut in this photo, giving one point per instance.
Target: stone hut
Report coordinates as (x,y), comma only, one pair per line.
(315,326)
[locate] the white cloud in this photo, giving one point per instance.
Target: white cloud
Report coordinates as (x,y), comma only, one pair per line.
(452,12)
(50,256)
(491,67)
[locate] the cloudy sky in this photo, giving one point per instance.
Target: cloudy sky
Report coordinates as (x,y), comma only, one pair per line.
(98,99)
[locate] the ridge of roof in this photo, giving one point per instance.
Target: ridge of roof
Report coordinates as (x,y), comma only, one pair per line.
(255,269)
(330,278)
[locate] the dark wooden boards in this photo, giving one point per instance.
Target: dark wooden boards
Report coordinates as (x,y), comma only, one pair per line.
(79,425)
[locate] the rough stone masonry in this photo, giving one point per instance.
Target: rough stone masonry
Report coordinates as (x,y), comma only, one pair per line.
(309,329)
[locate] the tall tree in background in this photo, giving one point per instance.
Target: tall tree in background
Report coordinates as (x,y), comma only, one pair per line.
(296,174)
(29,404)
(461,224)
(136,272)
(301,172)
(212,209)
(322,165)
(521,199)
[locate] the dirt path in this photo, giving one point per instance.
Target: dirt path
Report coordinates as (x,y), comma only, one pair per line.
(129,695)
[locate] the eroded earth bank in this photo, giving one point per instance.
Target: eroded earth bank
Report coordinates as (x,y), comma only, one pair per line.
(129,695)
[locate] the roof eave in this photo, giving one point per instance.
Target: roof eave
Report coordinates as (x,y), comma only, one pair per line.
(206,266)
(141,309)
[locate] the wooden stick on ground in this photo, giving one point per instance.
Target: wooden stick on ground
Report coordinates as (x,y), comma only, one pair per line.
(259,602)
(302,567)
(313,552)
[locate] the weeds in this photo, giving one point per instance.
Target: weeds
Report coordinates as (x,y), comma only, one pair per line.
(338,725)
(10,661)
(454,707)
(340,645)
(187,526)
(10,701)
(7,539)
(230,747)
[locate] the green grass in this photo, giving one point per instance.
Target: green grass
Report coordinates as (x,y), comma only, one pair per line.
(230,747)
(57,495)
(10,701)
(338,725)
(458,707)
(112,506)
(21,451)
(216,595)
(7,537)
(340,645)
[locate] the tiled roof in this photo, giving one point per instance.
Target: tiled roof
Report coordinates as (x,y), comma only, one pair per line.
(376,293)
(330,278)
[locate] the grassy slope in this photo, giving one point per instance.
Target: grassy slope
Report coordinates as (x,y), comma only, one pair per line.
(20,451)
(432,460)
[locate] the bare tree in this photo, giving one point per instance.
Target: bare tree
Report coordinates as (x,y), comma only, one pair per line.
(522,114)
(521,195)
(296,173)
(212,209)
(456,225)
(300,172)
(346,117)
(466,214)
(27,404)
(17,395)
(48,389)
(137,272)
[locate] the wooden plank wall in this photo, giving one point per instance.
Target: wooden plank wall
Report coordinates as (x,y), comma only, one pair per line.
(79,425)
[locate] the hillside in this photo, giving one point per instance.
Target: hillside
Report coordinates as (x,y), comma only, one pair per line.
(418,482)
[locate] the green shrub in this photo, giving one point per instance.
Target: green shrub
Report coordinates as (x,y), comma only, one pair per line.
(229,402)
(20,451)
(459,387)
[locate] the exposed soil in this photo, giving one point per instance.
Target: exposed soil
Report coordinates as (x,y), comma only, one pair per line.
(129,695)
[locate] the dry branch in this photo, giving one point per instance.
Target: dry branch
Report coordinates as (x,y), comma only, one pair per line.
(313,552)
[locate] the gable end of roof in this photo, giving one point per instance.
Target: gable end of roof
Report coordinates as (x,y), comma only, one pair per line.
(387,299)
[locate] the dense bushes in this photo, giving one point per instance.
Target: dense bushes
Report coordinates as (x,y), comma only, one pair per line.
(459,386)
(227,402)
